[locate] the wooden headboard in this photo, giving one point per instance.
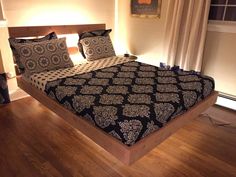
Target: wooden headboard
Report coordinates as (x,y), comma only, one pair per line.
(30,31)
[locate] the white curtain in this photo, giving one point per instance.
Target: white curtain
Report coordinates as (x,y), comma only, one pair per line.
(186,32)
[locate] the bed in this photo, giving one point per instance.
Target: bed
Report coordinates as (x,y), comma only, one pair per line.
(124,92)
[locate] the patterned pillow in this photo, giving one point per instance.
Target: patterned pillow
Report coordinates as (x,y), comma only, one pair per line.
(43,56)
(14,41)
(94,33)
(97,47)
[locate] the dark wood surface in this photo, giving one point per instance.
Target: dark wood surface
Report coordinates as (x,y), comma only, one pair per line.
(35,142)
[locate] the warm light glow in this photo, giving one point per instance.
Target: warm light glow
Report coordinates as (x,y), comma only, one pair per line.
(73,50)
(6,54)
(77,58)
(71,39)
(120,48)
(48,13)
(72,44)
(149,60)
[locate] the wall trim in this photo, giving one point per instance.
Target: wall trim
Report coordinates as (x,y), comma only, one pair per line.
(222,27)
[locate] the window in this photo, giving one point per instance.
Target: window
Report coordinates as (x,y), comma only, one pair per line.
(223,10)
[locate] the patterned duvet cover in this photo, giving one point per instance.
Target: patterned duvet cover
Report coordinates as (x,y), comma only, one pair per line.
(132,99)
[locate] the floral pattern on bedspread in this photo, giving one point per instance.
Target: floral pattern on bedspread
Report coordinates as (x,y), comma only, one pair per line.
(130,100)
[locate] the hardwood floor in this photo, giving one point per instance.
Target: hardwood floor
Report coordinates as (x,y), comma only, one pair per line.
(36,142)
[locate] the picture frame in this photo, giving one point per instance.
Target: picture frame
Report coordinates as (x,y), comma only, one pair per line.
(146,8)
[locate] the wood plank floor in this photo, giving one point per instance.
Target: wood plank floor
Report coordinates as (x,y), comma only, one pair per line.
(34,142)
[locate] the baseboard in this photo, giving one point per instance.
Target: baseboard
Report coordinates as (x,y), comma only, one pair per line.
(17,94)
(226,102)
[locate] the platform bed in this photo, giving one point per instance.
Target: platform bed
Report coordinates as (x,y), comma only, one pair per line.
(126,154)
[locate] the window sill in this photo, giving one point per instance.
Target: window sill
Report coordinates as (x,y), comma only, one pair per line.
(222,27)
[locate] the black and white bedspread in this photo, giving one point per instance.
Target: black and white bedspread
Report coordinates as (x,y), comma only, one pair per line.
(130,100)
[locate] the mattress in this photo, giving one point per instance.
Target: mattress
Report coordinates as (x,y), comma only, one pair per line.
(127,99)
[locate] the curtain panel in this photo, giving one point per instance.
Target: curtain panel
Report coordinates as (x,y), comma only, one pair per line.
(186,33)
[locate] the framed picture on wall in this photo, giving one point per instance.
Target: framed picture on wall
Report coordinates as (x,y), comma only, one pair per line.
(146,8)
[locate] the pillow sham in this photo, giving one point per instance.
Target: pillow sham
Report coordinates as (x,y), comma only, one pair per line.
(13,41)
(91,34)
(43,56)
(97,47)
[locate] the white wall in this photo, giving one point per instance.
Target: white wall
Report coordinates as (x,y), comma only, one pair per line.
(220,60)
(6,55)
(57,12)
(143,37)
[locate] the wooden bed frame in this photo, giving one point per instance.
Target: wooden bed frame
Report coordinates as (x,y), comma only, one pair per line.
(124,153)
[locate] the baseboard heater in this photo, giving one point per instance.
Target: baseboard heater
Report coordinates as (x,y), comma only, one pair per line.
(226,100)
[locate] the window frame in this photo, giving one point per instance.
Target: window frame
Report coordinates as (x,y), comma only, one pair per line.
(222,25)
(225,5)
